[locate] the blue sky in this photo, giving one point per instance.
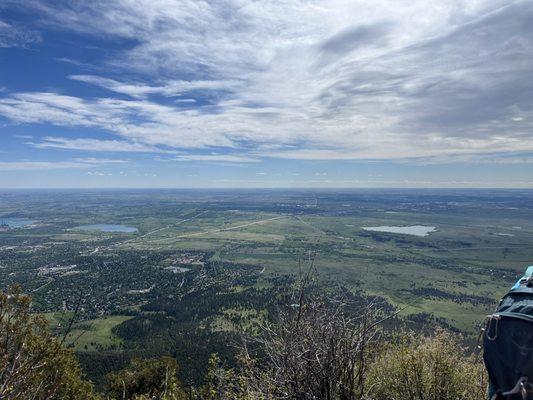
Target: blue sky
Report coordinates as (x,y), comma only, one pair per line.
(236,93)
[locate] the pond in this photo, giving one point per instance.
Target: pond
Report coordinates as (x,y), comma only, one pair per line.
(107,228)
(416,230)
(178,270)
(16,222)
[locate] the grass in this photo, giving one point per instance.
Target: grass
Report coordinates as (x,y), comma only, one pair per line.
(96,334)
(249,320)
(390,268)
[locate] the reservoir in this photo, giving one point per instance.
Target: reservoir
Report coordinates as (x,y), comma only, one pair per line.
(108,228)
(178,270)
(16,222)
(416,230)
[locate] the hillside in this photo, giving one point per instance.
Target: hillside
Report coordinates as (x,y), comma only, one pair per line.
(313,348)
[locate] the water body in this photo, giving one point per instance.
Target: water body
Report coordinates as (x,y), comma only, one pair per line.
(416,230)
(178,270)
(108,228)
(16,222)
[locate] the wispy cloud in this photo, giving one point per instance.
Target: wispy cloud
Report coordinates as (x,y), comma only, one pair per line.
(97,145)
(12,36)
(516,158)
(228,158)
(169,89)
(99,173)
(316,80)
(76,163)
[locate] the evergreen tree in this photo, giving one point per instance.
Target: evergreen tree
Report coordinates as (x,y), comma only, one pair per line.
(147,379)
(33,363)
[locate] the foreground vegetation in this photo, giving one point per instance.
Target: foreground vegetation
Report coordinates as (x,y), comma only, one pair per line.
(312,349)
(33,363)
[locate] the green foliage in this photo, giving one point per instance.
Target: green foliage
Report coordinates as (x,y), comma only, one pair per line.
(224,384)
(33,363)
(410,368)
(147,379)
(433,368)
(211,389)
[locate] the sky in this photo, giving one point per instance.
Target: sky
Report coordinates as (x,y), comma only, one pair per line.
(286,93)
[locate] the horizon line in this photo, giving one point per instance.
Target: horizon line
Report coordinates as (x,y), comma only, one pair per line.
(270,188)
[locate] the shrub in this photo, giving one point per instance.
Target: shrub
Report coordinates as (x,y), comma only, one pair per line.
(313,349)
(435,368)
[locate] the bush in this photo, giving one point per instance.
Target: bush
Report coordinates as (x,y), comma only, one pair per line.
(434,368)
(319,353)
(313,349)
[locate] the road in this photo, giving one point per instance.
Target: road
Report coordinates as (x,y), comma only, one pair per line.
(161,229)
(231,228)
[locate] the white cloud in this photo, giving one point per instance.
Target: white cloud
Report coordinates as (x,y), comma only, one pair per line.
(474,159)
(76,163)
(98,173)
(99,161)
(12,36)
(94,145)
(217,158)
(313,80)
(169,89)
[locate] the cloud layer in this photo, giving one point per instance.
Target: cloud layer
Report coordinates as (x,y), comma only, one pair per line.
(296,79)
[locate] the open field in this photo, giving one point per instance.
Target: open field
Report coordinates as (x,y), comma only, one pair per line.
(96,334)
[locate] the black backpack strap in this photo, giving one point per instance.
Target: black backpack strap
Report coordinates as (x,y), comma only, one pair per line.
(522,387)
(498,396)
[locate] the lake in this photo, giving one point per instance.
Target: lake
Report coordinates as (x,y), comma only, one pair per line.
(16,222)
(178,270)
(416,230)
(108,228)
